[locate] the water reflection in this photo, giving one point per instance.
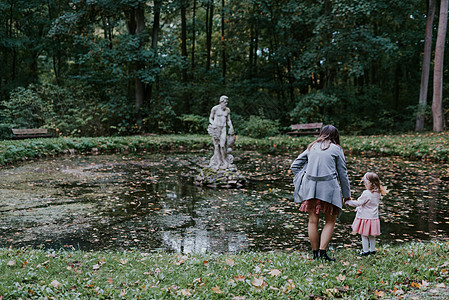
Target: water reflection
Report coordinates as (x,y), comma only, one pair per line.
(148,202)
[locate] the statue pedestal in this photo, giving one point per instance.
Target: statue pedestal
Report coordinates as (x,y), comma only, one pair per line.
(224,178)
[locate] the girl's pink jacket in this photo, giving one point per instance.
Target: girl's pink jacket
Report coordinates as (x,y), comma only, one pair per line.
(367,205)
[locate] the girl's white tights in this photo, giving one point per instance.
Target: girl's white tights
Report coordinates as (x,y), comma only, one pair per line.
(368,243)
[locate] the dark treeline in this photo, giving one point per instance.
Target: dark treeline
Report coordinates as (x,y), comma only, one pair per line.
(102,67)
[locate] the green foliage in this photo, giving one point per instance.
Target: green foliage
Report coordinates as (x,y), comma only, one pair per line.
(333,61)
(26,109)
(259,127)
(418,268)
(314,108)
(193,124)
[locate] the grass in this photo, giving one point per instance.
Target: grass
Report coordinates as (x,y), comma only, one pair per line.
(416,146)
(394,272)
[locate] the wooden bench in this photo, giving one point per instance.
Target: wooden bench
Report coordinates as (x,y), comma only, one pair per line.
(305,129)
(20,134)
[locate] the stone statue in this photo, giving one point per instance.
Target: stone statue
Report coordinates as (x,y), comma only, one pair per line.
(220,116)
(221,172)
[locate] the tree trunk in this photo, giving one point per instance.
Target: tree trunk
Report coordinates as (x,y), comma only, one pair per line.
(14,52)
(209,19)
(425,67)
(192,59)
(186,96)
(437,102)
(139,85)
(154,41)
(184,40)
(223,40)
(251,50)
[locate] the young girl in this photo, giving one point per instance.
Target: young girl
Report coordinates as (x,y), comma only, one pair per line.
(366,221)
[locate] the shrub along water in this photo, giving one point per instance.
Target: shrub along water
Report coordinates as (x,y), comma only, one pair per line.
(416,146)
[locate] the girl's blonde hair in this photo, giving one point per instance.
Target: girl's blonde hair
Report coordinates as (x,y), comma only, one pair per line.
(373,183)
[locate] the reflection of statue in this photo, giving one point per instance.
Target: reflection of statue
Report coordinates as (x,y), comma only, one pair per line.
(220,115)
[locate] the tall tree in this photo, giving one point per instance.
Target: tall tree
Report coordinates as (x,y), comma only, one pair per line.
(437,102)
(223,41)
(420,117)
(192,58)
(209,31)
(138,25)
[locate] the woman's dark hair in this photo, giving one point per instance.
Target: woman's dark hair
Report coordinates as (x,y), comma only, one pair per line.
(328,134)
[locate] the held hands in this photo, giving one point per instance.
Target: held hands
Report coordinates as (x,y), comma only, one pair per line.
(346,199)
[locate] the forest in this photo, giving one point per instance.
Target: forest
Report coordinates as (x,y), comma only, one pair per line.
(126,67)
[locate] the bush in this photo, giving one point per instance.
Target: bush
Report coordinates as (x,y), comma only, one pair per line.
(259,127)
(314,107)
(193,124)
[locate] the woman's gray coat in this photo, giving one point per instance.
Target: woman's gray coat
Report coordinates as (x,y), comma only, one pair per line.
(317,173)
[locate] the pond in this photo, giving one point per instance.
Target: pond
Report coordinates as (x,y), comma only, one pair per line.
(149,202)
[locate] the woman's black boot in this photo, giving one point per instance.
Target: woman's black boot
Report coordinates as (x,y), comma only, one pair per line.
(322,254)
(316,254)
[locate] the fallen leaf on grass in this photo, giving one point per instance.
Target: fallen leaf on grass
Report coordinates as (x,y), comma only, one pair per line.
(289,286)
(380,294)
(440,285)
(239,278)
(234,298)
(216,290)
(110,281)
(259,282)
(341,277)
(275,272)
(229,262)
(56,284)
(11,263)
(96,267)
(185,292)
(123,261)
(415,285)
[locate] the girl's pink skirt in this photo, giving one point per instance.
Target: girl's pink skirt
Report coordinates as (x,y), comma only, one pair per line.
(366,226)
(317,206)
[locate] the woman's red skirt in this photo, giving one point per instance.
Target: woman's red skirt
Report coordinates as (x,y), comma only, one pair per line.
(317,206)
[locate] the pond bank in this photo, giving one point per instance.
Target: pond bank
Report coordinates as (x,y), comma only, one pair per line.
(411,270)
(415,146)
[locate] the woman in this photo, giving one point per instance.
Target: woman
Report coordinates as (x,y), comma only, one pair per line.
(317,172)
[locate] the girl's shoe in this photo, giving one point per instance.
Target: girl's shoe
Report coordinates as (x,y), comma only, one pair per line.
(316,254)
(322,254)
(365,253)
(372,252)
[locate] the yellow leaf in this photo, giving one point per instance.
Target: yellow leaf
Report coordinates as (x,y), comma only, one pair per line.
(216,290)
(275,272)
(185,292)
(380,294)
(415,284)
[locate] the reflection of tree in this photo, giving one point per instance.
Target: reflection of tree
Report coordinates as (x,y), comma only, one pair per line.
(188,229)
